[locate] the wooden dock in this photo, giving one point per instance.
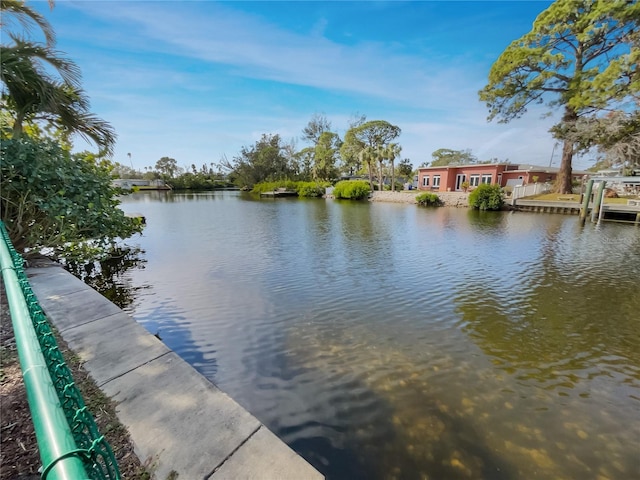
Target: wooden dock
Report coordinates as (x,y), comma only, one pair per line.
(281,192)
(610,211)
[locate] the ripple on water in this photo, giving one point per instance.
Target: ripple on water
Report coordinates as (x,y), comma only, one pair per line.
(385,342)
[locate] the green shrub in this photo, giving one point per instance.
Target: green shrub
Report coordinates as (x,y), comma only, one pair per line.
(304,189)
(487,197)
(311,189)
(264,187)
(428,199)
(273,186)
(352,189)
(52,199)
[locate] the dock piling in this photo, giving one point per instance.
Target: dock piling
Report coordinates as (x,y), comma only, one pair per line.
(597,200)
(601,213)
(585,202)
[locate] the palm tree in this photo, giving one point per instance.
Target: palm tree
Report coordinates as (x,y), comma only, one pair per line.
(380,154)
(374,134)
(28,86)
(33,93)
(366,155)
(392,151)
(26,16)
(71,114)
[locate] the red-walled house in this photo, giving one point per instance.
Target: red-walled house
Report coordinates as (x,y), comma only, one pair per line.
(452,178)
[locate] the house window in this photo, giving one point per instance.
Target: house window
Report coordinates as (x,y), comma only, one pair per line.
(425,181)
(486,178)
(436,181)
(474,180)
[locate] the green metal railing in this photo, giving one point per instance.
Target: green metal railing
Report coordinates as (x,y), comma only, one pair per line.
(68,439)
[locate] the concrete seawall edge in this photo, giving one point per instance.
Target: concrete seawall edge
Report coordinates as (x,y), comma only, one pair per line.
(449,199)
(179,421)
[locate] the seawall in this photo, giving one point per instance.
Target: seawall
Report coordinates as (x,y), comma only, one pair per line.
(449,199)
(179,421)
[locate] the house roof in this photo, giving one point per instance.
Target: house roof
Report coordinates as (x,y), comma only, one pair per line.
(509,167)
(466,165)
(538,168)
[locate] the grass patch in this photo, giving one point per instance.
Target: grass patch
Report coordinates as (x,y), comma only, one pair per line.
(618,201)
(573,197)
(556,197)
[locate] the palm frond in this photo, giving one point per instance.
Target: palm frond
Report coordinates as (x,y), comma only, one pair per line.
(27,16)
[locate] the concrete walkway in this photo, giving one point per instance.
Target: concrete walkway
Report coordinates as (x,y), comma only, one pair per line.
(178,420)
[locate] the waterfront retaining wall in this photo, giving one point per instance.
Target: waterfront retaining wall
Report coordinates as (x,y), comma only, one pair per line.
(180,422)
(449,199)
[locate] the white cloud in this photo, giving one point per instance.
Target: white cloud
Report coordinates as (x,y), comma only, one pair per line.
(255,48)
(159,106)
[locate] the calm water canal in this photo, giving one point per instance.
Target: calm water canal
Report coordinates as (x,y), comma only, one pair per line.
(387,341)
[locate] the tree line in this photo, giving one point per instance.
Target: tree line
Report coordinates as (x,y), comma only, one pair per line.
(271,159)
(367,149)
(580,59)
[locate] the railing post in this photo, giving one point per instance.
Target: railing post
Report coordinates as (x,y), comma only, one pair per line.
(58,451)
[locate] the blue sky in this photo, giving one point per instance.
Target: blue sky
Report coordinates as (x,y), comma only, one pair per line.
(197,80)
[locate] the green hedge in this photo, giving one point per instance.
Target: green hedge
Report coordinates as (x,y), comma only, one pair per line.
(352,189)
(428,199)
(61,201)
(312,189)
(487,197)
(304,189)
(273,186)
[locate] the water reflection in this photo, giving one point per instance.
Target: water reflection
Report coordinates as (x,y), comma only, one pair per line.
(107,276)
(167,196)
(167,321)
(486,219)
(388,341)
(561,329)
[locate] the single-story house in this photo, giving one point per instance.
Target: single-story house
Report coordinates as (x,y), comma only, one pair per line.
(452,178)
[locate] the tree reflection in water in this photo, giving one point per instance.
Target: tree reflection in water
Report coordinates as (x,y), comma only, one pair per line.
(107,276)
